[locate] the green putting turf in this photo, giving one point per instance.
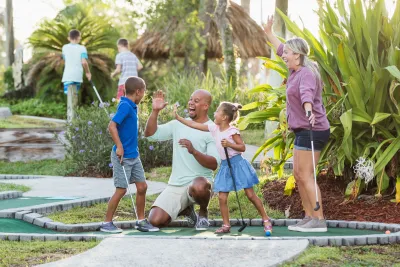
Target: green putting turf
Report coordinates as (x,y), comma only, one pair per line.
(19,226)
(28,201)
(278,231)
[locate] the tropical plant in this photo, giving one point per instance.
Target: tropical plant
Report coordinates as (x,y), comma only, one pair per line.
(358,52)
(47,64)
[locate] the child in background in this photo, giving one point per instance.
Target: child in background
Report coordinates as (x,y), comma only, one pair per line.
(124,132)
(127,64)
(75,57)
(245,176)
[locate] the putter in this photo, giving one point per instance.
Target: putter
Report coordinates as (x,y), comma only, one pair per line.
(313,161)
(234,186)
(98,96)
(129,191)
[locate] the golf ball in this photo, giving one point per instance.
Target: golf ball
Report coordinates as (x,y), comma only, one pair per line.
(387,232)
(268,233)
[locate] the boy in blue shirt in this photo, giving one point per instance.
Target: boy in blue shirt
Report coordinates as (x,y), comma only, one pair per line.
(75,57)
(124,132)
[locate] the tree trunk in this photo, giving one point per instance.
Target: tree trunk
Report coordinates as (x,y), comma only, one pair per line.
(9,28)
(244,69)
(225,31)
(275,79)
(206,10)
(279,23)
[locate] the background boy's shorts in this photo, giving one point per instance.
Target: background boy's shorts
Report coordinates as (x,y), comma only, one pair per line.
(121,91)
(174,199)
(133,167)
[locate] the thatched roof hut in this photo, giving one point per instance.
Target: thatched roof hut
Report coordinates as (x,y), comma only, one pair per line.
(248,37)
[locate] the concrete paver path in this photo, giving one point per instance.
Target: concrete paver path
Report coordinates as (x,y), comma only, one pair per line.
(57,186)
(120,252)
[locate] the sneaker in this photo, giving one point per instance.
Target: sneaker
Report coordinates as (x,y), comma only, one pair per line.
(191,217)
(109,227)
(300,223)
(313,226)
(202,223)
(145,226)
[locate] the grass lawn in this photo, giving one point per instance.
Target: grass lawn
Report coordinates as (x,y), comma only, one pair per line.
(16,254)
(124,212)
(253,137)
(349,256)
(42,167)
(159,174)
(19,122)
(13,187)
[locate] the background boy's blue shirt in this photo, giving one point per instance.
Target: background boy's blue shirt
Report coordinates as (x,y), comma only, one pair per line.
(127,122)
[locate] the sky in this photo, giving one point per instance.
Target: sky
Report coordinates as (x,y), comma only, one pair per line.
(28,13)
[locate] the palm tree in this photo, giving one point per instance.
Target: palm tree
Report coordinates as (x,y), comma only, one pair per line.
(46,66)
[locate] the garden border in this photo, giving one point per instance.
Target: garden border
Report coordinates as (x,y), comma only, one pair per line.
(19,177)
(10,194)
(35,215)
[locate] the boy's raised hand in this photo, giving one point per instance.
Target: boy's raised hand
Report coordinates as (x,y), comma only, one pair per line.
(158,100)
(176,111)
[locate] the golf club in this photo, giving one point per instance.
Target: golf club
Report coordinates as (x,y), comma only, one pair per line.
(129,191)
(98,96)
(313,161)
(234,186)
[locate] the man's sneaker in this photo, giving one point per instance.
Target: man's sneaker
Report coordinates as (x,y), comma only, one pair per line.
(191,217)
(109,227)
(313,226)
(300,223)
(202,224)
(145,226)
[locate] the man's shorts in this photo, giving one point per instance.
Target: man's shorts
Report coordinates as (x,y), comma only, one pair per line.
(121,91)
(174,199)
(133,168)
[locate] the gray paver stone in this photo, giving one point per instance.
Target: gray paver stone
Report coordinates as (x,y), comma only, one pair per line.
(290,222)
(41,221)
(384,240)
(343,224)
(352,225)
(76,238)
(31,217)
(360,241)
(25,237)
(348,241)
(13,237)
(89,227)
(278,222)
(39,237)
(53,225)
(321,242)
(7,214)
(50,237)
(372,240)
(335,242)
(256,222)
(392,239)
(62,237)
(19,215)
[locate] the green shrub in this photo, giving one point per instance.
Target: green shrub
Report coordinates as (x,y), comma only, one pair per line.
(88,142)
(37,107)
(9,79)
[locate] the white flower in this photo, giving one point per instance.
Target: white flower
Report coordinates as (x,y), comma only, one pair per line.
(113,100)
(364,169)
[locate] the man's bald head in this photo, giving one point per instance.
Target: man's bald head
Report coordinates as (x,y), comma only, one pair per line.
(204,95)
(198,105)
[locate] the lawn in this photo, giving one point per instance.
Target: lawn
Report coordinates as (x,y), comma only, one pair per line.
(159,174)
(124,212)
(13,187)
(18,254)
(349,256)
(42,167)
(253,137)
(20,122)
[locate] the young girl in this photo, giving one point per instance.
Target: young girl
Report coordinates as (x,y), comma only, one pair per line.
(245,176)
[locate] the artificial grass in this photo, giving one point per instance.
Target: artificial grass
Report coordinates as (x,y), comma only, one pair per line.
(41,167)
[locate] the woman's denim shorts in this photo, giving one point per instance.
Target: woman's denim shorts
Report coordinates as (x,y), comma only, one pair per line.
(303,141)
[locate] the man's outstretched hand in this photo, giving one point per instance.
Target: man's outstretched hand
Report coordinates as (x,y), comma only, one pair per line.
(158,101)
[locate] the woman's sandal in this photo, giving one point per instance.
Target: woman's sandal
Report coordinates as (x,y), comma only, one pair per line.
(224,229)
(268,227)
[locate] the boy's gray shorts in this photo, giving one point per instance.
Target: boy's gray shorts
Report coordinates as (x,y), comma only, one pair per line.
(133,168)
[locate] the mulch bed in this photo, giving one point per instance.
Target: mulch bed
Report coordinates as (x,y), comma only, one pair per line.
(364,208)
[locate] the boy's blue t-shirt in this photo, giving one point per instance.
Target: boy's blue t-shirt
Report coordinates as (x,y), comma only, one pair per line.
(73,54)
(127,126)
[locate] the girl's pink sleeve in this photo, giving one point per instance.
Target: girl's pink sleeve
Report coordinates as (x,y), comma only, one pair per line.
(233,131)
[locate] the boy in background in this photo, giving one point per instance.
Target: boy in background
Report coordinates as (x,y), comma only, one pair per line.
(127,64)
(75,57)
(124,132)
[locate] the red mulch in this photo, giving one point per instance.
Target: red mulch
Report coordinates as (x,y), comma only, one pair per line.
(365,208)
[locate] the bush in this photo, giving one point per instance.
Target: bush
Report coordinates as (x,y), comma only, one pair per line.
(88,142)
(36,107)
(9,79)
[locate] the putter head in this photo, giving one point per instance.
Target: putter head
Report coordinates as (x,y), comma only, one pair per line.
(243,226)
(317,206)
